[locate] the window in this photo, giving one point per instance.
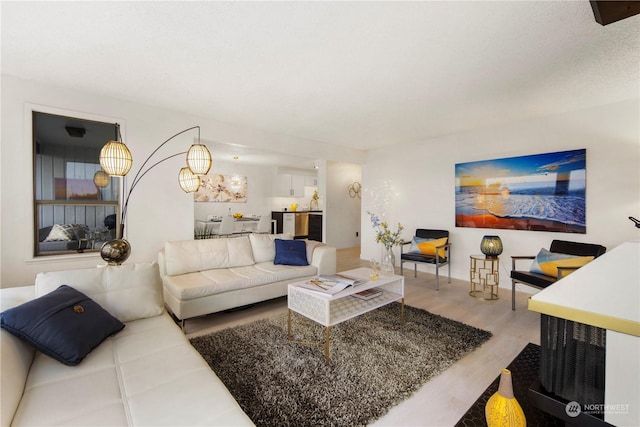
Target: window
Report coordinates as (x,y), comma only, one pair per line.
(75,202)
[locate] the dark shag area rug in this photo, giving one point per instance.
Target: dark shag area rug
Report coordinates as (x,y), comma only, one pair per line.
(525,369)
(375,364)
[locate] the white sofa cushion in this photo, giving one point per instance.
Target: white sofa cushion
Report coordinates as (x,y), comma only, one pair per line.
(204,283)
(263,246)
(187,256)
(15,356)
(128,292)
(148,375)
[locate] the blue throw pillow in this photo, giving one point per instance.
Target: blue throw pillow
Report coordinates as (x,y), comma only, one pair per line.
(291,252)
(64,324)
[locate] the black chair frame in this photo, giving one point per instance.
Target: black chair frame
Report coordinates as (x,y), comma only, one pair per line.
(436,260)
(541,281)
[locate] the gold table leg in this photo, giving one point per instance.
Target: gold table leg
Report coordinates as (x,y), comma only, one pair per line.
(402,313)
(326,346)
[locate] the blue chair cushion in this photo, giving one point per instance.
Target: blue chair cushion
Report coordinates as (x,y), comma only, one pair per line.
(291,252)
(65,324)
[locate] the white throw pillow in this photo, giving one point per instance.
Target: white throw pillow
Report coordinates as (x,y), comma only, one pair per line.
(128,292)
(60,233)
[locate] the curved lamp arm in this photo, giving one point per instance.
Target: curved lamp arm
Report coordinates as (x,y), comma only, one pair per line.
(142,172)
(138,177)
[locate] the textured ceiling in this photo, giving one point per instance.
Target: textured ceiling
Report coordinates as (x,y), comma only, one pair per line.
(358,74)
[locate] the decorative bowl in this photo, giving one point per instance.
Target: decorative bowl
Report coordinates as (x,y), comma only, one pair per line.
(237,215)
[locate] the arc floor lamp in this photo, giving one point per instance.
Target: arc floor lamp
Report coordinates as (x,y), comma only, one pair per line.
(116,160)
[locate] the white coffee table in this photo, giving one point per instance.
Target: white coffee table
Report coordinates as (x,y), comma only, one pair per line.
(330,310)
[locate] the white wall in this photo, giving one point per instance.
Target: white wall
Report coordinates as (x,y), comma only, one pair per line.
(423,178)
(159,210)
(342,213)
(423,175)
(258,191)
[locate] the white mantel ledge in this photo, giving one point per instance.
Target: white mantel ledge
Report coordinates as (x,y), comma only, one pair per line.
(604,293)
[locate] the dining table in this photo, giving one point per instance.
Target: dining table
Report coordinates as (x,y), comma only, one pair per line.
(244,224)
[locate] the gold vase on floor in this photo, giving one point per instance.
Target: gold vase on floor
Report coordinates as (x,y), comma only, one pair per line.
(502,408)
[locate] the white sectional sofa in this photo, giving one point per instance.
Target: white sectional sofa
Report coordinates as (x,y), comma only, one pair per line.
(147,374)
(206,276)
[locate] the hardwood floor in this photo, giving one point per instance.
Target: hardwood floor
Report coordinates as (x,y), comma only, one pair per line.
(444,399)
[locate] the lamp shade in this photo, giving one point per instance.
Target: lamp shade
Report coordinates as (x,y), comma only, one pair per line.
(189,181)
(115,158)
(101,179)
(491,246)
(199,159)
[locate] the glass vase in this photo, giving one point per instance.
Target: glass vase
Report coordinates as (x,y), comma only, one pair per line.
(388,262)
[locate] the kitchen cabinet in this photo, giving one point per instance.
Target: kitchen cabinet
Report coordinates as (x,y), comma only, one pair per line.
(315,227)
(310,181)
(277,216)
(297,224)
(287,185)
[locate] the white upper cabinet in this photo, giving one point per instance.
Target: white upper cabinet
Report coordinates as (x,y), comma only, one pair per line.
(292,185)
(287,185)
(297,185)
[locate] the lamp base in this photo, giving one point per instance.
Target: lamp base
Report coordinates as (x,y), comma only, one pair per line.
(115,252)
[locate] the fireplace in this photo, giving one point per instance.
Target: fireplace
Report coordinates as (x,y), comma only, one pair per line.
(590,336)
(572,360)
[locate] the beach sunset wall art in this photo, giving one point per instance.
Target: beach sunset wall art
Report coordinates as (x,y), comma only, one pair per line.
(541,192)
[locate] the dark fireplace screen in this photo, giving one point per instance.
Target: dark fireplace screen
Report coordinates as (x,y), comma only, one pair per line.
(572,360)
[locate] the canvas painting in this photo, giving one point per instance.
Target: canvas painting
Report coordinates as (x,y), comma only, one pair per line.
(222,188)
(541,192)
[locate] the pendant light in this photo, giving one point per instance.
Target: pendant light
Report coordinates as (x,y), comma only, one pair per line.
(115,157)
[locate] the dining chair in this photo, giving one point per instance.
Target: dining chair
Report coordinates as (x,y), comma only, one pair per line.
(264,225)
(227,227)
